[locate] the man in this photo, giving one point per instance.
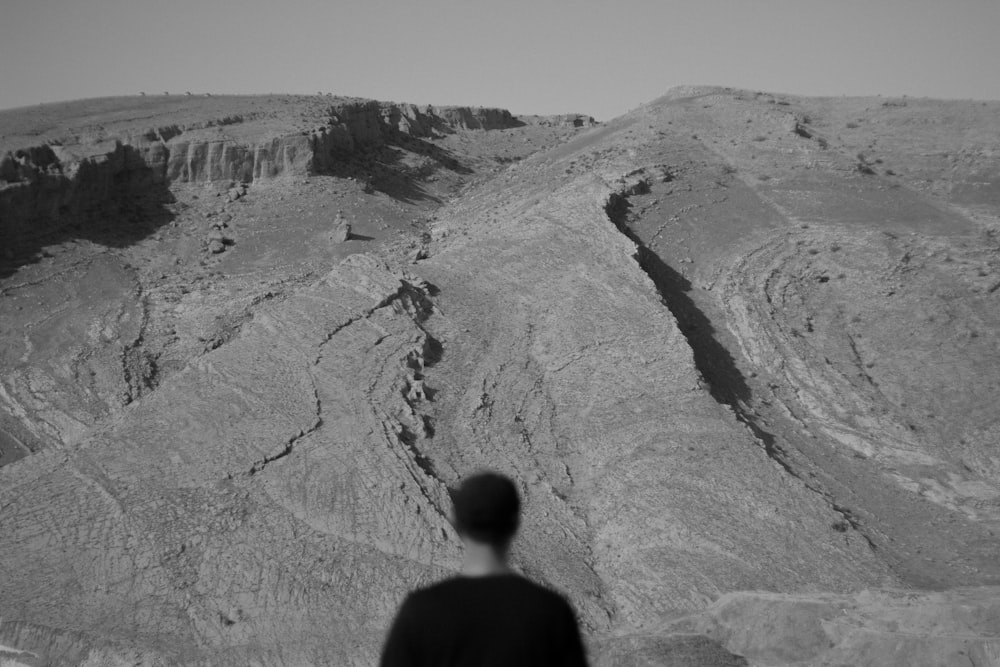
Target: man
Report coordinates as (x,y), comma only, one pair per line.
(488,615)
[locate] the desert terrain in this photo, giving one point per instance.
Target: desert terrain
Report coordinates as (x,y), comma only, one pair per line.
(740,350)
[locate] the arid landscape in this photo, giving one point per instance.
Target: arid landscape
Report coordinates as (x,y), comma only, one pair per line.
(740,351)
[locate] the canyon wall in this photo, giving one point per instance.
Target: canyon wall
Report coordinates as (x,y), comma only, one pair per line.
(44,187)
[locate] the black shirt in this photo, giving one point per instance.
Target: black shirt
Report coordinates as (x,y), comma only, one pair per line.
(484,621)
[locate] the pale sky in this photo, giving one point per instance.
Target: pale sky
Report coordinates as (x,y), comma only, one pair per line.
(530,56)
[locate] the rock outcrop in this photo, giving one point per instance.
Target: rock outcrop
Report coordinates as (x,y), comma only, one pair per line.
(47,186)
(238,545)
(475,118)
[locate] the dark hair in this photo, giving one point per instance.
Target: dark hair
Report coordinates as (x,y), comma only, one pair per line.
(487,508)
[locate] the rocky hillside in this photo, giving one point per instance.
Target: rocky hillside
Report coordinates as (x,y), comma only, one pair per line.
(78,171)
(736,348)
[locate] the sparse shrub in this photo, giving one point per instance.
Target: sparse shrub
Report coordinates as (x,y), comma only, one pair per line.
(823,143)
(728,169)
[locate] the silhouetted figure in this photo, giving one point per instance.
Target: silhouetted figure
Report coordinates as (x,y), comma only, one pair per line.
(488,615)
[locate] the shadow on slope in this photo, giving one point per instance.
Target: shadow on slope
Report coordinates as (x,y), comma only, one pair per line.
(726,383)
(391,168)
(114,202)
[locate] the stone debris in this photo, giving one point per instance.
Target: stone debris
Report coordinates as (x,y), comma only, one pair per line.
(341,232)
(218,241)
(237,192)
(416,391)
(341,229)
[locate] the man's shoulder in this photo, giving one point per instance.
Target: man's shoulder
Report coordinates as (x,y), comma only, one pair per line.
(534,589)
(507,584)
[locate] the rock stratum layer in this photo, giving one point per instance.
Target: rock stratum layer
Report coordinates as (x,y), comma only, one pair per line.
(736,349)
(45,186)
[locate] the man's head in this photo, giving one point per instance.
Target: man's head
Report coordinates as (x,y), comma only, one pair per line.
(487,509)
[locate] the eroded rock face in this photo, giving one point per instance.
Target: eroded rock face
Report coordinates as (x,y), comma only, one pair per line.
(822,302)
(47,186)
(475,118)
(656,341)
(200,498)
(64,186)
(651,483)
(64,373)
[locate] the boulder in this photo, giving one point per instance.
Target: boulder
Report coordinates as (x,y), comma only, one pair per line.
(341,232)
(416,391)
